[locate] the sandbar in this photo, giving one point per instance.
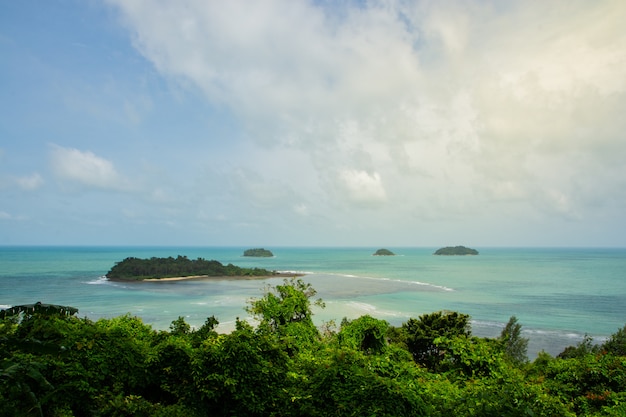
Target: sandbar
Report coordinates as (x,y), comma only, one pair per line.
(209,277)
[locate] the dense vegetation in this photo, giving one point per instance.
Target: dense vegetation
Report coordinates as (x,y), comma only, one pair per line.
(383,252)
(258,252)
(53,363)
(181,266)
(456,250)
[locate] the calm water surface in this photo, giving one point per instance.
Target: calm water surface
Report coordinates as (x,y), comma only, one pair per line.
(558,295)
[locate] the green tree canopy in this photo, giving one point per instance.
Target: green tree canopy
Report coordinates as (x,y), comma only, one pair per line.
(456,250)
(364,333)
(515,346)
(421,334)
(285,310)
(138,269)
(61,365)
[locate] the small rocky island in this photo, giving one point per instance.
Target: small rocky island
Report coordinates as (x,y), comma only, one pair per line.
(258,253)
(383,252)
(455,250)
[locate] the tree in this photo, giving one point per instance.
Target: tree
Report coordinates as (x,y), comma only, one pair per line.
(616,344)
(180,327)
(515,346)
(347,382)
(285,311)
(365,333)
(243,373)
(582,348)
(205,331)
(421,334)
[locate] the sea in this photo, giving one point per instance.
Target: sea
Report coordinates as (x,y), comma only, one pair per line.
(558,295)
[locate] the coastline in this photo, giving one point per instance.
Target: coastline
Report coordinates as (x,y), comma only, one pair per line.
(211,277)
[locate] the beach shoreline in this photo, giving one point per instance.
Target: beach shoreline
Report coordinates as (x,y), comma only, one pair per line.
(212,278)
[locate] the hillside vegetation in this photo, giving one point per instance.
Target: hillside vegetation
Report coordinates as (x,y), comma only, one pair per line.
(258,252)
(456,250)
(53,363)
(383,252)
(136,269)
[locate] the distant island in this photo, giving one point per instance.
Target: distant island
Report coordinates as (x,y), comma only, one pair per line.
(456,250)
(258,252)
(384,252)
(181,267)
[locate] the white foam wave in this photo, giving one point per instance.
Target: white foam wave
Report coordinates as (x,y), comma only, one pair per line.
(539,332)
(533,333)
(99,281)
(362,306)
(426,284)
(395,280)
(488,324)
(372,309)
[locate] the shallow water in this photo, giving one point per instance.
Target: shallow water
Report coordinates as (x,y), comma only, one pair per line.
(558,295)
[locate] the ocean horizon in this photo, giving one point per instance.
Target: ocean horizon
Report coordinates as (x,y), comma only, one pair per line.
(559,295)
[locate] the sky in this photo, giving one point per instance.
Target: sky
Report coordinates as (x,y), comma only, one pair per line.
(313,123)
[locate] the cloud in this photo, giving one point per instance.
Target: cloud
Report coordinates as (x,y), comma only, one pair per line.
(30,182)
(86,168)
(362,187)
(458,106)
(8,216)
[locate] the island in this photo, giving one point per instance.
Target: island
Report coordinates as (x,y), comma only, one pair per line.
(258,253)
(456,250)
(181,267)
(383,252)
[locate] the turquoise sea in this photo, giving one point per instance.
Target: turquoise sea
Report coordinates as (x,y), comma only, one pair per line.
(557,294)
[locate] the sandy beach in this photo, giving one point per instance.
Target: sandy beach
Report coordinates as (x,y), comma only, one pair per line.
(209,277)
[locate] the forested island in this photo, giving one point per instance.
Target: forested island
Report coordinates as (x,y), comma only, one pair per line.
(455,250)
(383,252)
(53,363)
(136,269)
(258,253)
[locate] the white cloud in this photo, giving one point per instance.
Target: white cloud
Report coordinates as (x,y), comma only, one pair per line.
(301,209)
(30,182)
(86,168)
(363,187)
(458,106)
(8,216)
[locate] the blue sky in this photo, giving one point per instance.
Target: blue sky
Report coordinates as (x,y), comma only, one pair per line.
(271,123)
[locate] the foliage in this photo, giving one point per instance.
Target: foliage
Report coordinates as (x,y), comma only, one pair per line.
(590,383)
(616,344)
(242,373)
(55,364)
(139,269)
(456,250)
(421,335)
(285,312)
(515,346)
(29,310)
(383,252)
(347,382)
(582,349)
(258,252)
(366,334)
(24,384)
